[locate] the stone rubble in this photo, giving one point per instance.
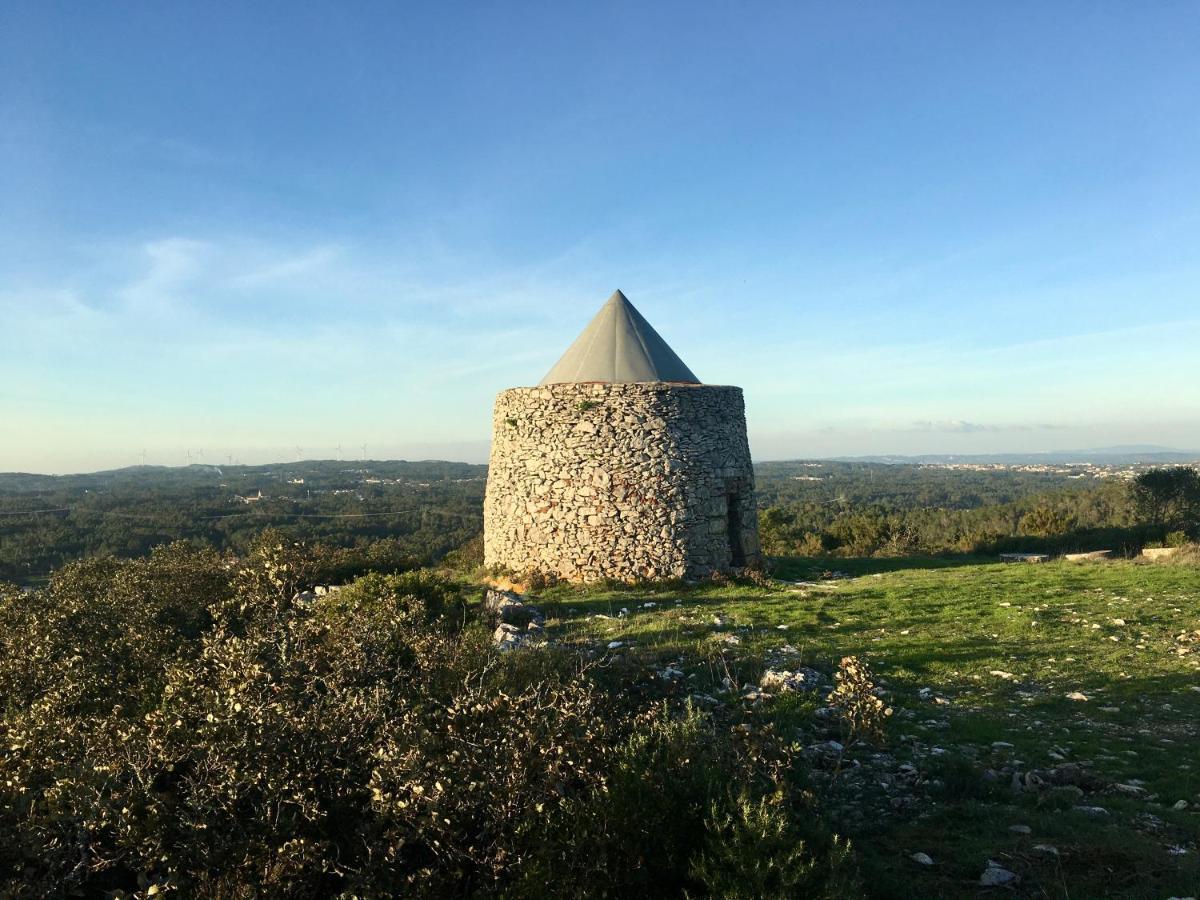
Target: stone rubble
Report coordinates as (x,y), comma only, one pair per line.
(518,624)
(996,875)
(782,680)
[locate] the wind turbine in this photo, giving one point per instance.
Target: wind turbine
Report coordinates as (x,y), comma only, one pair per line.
(339,451)
(299,451)
(143,456)
(364,452)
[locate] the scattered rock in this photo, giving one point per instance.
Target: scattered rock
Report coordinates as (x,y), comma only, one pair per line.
(1133,789)
(615,645)
(510,607)
(1091,810)
(519,624)
(509,637)
(1020,829)
(1180,804)
(1028,781)
(784,680)
(1075,775)
(995,875)
(923,859)
(1046,849)
(1078,696)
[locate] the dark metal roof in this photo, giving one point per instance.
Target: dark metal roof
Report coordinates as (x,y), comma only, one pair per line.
(619,346)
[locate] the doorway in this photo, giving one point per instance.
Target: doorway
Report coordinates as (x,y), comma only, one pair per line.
(737,552)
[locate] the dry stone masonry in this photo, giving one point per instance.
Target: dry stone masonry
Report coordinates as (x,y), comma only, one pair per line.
(603,478)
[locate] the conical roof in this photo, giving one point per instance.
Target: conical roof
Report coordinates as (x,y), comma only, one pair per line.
(619,346)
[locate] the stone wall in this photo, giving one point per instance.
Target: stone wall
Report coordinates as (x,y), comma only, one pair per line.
(622,481)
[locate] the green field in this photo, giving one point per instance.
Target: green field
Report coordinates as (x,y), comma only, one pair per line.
(1111,783)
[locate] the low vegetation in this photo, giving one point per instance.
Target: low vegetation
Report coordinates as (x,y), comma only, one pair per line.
(1159,506)
(177,724)
(1043,717)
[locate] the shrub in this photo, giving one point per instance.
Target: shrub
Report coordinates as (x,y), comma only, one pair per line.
(811,544)
(854,697)
(180,723)
(466,558)
(1044,521)
(752,849)
(647,830)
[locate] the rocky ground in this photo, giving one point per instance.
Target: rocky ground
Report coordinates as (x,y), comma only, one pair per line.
(1041,735)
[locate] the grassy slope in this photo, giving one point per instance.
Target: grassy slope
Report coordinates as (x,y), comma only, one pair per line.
(1053,628)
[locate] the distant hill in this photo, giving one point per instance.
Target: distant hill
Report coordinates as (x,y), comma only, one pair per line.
(317,473)
(1107,456)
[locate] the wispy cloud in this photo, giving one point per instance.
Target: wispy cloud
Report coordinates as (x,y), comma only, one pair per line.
(305,263)
(958,426)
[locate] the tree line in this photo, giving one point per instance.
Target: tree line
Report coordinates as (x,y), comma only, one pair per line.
(1158,506)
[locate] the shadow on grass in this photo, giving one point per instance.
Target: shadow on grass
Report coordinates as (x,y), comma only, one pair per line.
(811,568)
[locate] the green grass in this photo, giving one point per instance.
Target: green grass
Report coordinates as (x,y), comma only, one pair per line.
(1051,629)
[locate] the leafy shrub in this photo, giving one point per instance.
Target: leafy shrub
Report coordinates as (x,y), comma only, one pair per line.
(183,723)
(1044,521)
(647,830)
(811,544)
(752,849)
(854,697)
(537,580)
(467,557)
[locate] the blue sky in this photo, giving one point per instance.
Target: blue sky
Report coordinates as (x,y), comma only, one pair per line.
(901,227)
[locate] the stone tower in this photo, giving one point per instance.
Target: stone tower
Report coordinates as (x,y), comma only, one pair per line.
(620,464)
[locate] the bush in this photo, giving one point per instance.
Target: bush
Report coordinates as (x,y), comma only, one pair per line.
(753,850)
(863,714)
(183,723)
(674,794)
(1044,521)
(466,558)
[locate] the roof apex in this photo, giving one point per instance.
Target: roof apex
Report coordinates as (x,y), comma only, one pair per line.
(619,347)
